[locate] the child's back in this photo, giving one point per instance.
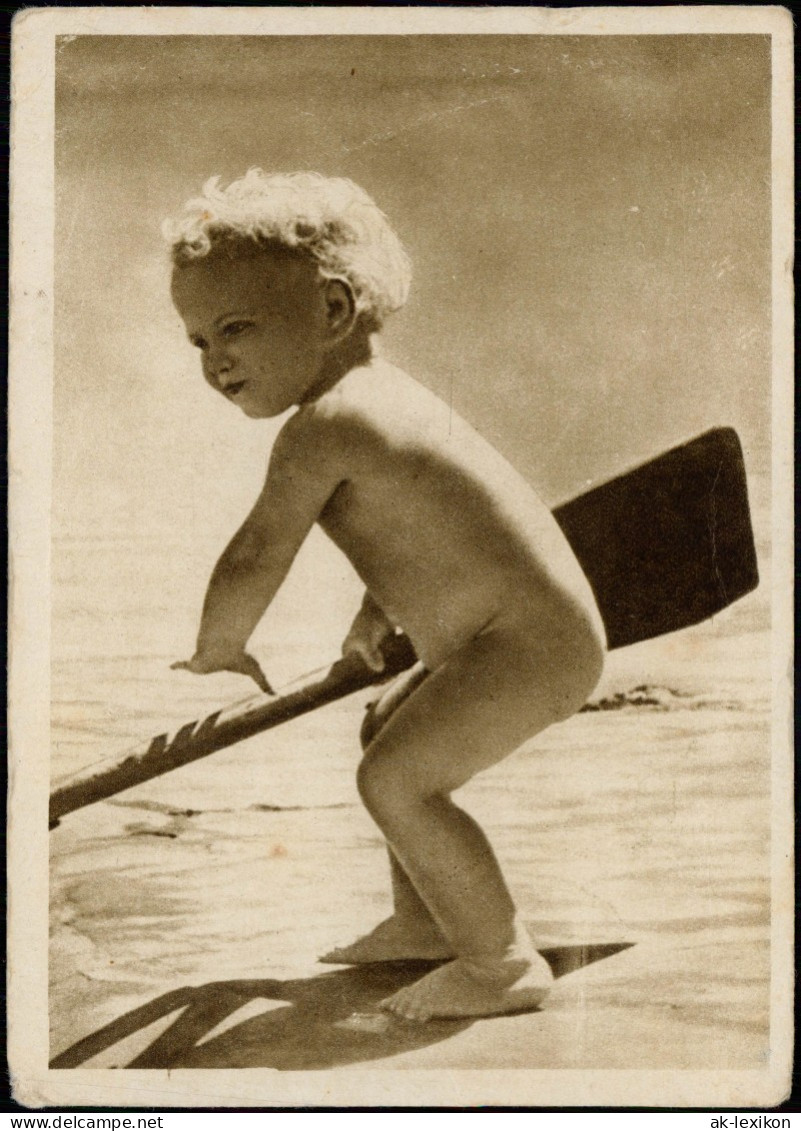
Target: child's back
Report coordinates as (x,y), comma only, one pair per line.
(445,534)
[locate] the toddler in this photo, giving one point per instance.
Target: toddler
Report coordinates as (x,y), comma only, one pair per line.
(282,283)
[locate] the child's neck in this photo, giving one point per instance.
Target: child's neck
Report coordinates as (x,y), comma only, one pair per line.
(359,348)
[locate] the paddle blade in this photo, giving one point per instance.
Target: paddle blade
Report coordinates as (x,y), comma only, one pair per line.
(669,543)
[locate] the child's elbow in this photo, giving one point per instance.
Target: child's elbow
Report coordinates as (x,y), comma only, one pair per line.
(246,550)
(237,566)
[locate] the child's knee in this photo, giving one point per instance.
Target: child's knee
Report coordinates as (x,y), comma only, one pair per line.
(387,788)
(374,784)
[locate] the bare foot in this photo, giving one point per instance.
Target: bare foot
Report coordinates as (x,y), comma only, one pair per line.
(392,941)
(465,989)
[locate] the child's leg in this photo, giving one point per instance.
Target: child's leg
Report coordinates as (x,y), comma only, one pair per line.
(409,932)
(499,690)
(417,935)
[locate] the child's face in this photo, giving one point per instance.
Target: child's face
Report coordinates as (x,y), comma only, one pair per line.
(259,321)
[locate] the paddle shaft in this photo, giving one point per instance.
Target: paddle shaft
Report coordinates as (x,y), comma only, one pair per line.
(223,728)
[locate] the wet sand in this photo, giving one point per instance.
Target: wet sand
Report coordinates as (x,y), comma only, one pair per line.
(188,913)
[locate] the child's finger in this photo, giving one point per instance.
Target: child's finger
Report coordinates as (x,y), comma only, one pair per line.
(251,667)
(196,665)
(349,644)
(374,658)
(370,653)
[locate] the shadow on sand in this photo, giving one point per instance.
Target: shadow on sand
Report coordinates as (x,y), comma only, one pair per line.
(310,1023)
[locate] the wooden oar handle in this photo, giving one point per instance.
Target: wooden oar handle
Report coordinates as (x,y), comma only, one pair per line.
(223,728)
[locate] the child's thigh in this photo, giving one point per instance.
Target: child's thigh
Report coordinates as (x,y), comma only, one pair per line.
(379,711)
(485,701)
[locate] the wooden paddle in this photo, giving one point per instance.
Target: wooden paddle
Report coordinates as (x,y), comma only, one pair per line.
(223,728)
(664,546)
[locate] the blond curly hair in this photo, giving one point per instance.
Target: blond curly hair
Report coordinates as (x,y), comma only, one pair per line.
(330,219)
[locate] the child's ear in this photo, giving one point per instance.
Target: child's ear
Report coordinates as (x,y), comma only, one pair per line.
(340,308)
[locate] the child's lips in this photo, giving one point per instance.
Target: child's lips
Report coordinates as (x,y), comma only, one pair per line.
(234,389)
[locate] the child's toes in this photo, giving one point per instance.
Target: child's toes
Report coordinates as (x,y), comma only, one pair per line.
(403,1004)
(414,1009)
(412,1003)
(393,1004)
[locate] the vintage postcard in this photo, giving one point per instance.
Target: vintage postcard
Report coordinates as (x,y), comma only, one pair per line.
(401,593)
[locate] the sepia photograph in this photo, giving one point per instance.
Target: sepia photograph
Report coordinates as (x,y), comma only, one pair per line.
(401,465)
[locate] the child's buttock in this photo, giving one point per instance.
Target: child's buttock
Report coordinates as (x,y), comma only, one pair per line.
(528,648)
(500,688)
(561,657)
(529,622)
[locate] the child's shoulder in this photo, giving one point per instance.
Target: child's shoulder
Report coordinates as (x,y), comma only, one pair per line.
(374,409)
(335,420)
(371,386)
(369,398)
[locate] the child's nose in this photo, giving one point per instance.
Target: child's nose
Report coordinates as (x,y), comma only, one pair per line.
(218,367)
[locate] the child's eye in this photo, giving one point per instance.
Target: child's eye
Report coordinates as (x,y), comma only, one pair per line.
(199,343)
(231,329)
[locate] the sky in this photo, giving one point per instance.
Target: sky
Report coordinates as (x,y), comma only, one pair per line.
(588,218)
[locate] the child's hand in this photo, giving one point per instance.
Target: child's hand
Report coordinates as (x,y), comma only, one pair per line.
(367,633)
(202,663)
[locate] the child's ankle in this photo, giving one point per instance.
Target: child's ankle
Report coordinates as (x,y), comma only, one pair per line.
(518,949)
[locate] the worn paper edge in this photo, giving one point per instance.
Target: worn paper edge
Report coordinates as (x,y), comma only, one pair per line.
(30,435)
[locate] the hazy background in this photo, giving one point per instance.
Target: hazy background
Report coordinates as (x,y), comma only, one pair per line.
(589,223)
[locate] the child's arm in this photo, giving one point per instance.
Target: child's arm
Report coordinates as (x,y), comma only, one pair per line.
(368,631)
(301,478)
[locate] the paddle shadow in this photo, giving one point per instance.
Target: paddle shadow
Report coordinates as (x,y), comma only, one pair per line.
(326,1021)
